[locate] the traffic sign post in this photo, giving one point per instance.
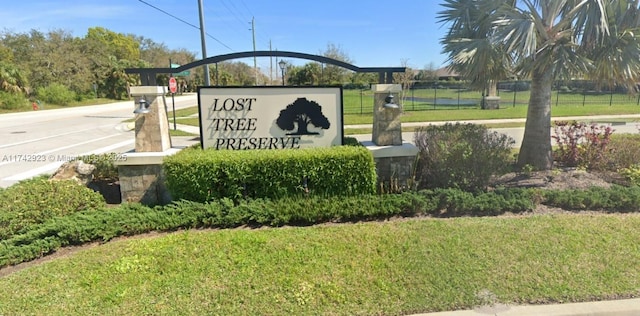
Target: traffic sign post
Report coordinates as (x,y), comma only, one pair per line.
(173,85)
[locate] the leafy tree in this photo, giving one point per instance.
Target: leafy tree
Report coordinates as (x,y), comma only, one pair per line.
(302,112)
(331,74)
(546,40)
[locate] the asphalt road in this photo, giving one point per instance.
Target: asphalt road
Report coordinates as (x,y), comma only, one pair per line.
(38,142)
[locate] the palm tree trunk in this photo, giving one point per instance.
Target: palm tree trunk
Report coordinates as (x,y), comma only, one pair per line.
(536,144)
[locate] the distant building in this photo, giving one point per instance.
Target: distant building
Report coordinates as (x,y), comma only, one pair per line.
(446,73)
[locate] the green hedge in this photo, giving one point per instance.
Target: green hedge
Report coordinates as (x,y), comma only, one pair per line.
(37,200)
(38,239)
(204,175)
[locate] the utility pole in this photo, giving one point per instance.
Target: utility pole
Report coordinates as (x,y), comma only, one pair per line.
(255,63)
(270,65)
(207,82)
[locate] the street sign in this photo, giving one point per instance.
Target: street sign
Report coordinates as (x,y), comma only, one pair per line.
(173,85)
(182,73)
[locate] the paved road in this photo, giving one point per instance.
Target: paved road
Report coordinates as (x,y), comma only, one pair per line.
(37,142)
(517,133)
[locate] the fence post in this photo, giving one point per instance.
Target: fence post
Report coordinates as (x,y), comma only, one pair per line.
(584,97)
(610,96)
(435,95)
(361,109)
(515,91)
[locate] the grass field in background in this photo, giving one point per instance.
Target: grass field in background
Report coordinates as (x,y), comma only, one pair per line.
(394,267)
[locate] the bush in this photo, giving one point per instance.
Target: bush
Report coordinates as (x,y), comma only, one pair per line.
(34,201)
(104,163)
(614,199)
(624,150)
(203,175)
(57,94)
(12,101)
(581,145)
(463,156)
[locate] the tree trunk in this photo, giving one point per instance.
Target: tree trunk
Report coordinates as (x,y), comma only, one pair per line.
(536,144)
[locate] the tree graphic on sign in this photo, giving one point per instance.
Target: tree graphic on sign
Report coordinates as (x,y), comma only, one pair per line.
(301,113)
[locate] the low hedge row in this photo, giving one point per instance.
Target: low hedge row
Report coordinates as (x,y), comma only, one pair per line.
(102,224)
(36,200)
(205,175)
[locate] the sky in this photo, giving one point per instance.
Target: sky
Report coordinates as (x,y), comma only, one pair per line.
(371,33)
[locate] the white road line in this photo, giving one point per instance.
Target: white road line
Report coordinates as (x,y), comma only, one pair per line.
(60,148)
(52,166)
(52,136)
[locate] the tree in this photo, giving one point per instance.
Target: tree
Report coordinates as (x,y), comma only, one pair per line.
(547,40)
(302,112)
(470,44)
(12,79)
(331,74)
(405,79)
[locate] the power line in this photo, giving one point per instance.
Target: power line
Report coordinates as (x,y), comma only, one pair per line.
(187,23)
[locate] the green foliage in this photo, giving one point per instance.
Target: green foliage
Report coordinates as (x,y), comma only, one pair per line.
(632,174)
(615,199)
(454,202)
(104,163)
(624,150)
(581,145)
(202,175)
(49,231)
(12,101)
(56,93)
(463,156)
(34,201)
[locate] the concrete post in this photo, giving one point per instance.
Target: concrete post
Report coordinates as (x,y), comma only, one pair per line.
(152,129)
(386,121)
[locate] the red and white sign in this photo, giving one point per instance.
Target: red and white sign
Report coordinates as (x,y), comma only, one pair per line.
(173,85)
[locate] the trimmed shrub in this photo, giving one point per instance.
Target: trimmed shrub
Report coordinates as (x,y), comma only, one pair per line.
(204,175)
(463,156)
(37,200)
(614,199)
(56,93)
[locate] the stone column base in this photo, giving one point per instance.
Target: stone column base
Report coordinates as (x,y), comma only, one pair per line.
(142,179)
(394,165)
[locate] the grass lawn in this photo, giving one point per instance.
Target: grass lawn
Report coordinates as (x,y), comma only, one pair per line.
(392,267)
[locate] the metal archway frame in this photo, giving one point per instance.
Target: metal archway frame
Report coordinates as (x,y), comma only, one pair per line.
(148,75)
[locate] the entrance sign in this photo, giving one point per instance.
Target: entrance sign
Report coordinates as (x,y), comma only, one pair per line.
(243,118)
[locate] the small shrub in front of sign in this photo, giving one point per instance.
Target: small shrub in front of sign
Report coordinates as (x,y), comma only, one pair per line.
(205,175)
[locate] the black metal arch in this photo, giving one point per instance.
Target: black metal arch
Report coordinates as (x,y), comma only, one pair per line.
(148,75)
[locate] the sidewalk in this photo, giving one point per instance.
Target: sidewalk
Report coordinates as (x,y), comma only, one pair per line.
(598,118)
(628,307)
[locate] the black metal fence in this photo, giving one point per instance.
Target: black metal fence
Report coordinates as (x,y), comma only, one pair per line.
(440,95)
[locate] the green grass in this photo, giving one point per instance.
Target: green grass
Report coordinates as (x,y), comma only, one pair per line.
(396,267)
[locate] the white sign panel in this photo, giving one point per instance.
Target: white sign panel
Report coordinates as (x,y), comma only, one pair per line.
(242,118)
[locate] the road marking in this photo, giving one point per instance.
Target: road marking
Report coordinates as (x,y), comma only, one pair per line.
(49,167)
(60,148)
(52,136)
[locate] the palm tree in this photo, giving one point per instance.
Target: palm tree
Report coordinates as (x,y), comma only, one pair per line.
(472,50)
(548,40)
(11,79)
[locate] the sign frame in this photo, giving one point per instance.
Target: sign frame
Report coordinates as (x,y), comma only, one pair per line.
(270,117)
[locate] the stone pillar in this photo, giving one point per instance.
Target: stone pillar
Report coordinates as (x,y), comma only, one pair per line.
(386,121)
(152,129)
(491,103)
(140,173)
